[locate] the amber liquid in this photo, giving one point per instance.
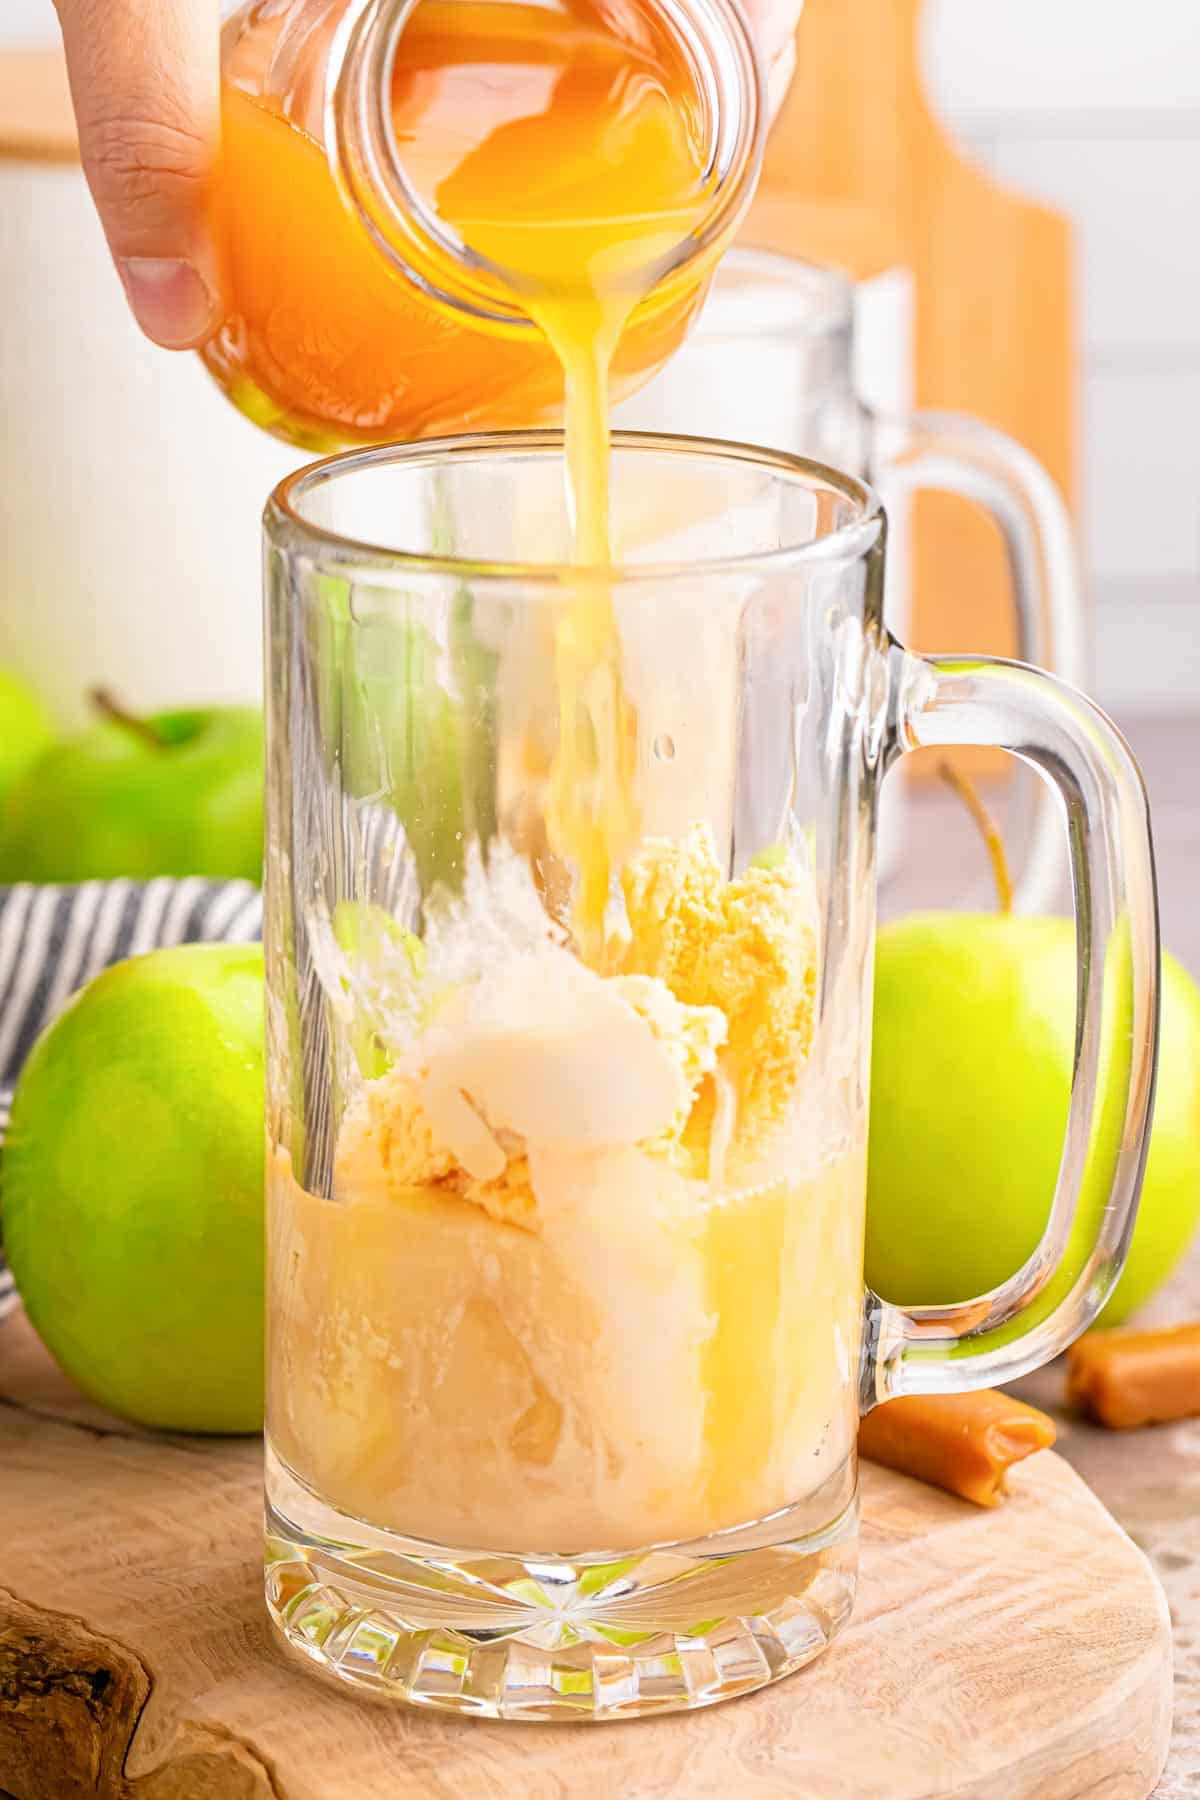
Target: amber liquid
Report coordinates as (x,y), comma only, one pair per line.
(563,141)
(599,145)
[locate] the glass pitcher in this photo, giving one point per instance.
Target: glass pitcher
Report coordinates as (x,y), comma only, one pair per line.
(773,359)
(360,311)
(568,1340)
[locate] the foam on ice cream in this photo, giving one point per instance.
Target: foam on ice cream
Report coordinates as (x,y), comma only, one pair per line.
(537,1310)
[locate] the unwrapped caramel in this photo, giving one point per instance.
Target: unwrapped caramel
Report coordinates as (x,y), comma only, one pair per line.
(1128,1378)
(965,1443)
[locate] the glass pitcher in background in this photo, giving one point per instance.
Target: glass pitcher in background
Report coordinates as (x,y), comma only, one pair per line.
(772,360)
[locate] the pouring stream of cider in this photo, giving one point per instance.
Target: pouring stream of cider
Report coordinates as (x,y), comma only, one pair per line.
(582,177)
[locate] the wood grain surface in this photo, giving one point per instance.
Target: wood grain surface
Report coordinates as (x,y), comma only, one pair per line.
(1020,1654)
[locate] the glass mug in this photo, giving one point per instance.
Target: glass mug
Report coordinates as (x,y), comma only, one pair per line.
(772,360)
(567,1339)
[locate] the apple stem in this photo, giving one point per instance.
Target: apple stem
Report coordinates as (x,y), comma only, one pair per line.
(107,704)
(968,793)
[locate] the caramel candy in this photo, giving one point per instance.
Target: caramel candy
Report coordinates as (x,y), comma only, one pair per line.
(1127,1378)
(965,1443)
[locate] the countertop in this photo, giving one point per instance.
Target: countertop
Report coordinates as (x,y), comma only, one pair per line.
(1149,1480)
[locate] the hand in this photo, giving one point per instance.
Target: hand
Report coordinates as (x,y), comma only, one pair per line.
(145,84)
(145,81)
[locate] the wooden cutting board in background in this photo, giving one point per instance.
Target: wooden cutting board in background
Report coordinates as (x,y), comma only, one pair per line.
(1020,1654)
(35,106)
(859,173)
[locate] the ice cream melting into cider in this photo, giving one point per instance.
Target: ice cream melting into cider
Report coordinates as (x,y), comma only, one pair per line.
(587,1276)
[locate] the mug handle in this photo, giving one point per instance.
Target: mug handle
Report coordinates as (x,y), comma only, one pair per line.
(1044,1306)
(955,454)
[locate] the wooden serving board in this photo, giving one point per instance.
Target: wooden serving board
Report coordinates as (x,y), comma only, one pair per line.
(1021,1654)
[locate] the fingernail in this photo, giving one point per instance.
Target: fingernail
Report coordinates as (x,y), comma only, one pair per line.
(170,299)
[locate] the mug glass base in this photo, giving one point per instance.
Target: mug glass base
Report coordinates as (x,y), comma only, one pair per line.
(588,1637)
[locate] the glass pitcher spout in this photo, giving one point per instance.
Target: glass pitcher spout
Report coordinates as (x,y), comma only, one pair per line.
(402,177)
(367,64)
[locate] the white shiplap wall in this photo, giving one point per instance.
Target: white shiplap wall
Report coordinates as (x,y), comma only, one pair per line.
(27,22)
(1095,106)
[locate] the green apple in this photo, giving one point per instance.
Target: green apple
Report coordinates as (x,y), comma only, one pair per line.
(402,737)
(371,937)
(132,1188)
(974,1038)
(26,729)
(178,793)
(423,729)
(415,714)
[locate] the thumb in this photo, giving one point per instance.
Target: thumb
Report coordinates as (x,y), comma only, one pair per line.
(145,83)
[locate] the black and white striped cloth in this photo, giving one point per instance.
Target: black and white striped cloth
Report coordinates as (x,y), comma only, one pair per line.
(54,939)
